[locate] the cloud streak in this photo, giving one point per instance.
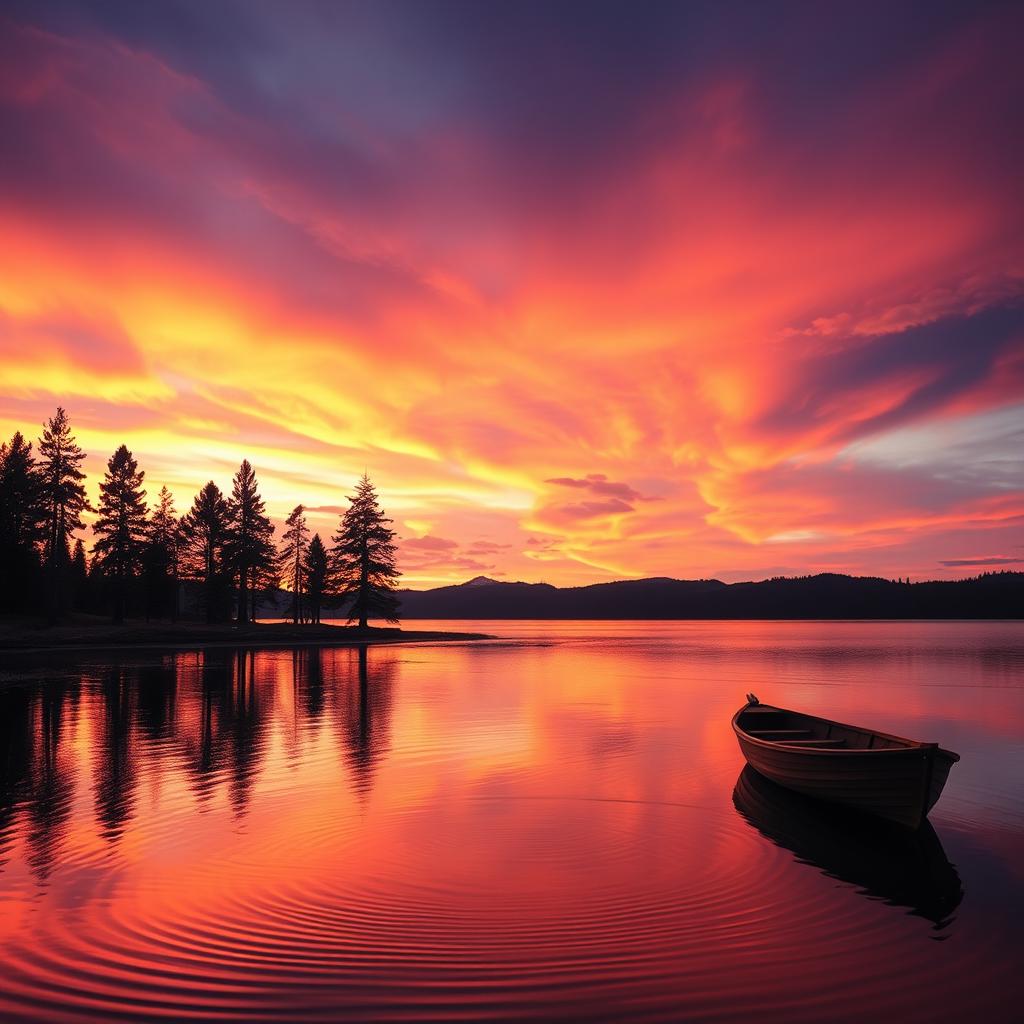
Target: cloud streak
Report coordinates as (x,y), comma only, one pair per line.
(699,292)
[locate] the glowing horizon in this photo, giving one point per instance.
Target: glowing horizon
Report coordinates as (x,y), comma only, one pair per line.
(588,299)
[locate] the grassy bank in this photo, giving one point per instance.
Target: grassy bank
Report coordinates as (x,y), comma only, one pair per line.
(26,636)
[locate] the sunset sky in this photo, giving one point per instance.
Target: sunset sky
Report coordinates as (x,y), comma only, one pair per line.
(591,291)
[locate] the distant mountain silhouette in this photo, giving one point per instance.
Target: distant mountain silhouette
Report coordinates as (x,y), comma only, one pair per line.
(826,596)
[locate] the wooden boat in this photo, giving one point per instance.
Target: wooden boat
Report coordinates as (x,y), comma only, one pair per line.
(879,859)
(892,777)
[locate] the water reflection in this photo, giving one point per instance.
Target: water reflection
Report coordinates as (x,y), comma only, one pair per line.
(883,861)
(365,714)
(308,677)
(207,712)
(38,776)
(115,772)
(500,831)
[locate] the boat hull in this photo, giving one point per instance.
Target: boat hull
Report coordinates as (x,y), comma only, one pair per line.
(889,783)
(899,784)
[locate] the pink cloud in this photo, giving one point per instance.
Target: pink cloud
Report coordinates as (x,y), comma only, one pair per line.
(647,342)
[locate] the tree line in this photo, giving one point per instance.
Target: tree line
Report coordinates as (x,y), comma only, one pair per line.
(223,546)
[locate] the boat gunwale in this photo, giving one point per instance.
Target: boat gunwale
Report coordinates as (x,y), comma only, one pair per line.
(911,745)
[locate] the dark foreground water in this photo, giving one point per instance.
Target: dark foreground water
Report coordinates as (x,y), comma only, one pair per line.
(554,826)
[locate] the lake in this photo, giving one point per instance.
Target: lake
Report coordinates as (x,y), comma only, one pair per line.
(551,824)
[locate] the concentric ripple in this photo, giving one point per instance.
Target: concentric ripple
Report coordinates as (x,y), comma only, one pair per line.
(330,839)
(599,924)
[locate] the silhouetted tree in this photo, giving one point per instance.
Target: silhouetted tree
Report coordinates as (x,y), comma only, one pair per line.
(364,558)
(79,577)
(316,572)
(294,543)
(265,581)
(20,523)
(63,499)
(249,550)
(206,529)
(121,525)
(161,559)
(95,587)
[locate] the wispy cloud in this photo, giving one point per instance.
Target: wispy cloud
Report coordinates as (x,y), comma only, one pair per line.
(980,562)
(674,302)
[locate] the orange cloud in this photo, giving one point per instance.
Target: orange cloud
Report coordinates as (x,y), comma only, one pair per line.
(676,342)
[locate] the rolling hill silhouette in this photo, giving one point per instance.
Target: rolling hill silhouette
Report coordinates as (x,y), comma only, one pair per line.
(825,596)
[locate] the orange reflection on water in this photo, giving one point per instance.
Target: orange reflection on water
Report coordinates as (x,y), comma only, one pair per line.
(555,826)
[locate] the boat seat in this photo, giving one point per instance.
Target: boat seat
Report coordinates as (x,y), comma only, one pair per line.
(816,743)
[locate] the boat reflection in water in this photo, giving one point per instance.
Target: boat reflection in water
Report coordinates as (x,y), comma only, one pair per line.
(900,867)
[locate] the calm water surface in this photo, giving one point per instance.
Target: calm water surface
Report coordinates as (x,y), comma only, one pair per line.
(552,824)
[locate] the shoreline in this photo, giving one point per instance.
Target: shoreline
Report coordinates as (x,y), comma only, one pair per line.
(77,639)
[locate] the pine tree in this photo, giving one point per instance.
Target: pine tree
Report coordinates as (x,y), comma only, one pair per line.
(206,528)
(20,523)
(63,500)
(363,558)
(294,543)
(249,551)
(265,580)
(121,525)
(79,576)
(164,542)
(163,524)
(316,572)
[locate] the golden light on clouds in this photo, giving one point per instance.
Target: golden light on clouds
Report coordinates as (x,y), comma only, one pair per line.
(564,350)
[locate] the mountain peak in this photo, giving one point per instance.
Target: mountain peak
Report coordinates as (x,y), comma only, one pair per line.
(480,581)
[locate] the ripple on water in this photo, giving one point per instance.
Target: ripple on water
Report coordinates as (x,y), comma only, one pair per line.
(328,836)
(714,915)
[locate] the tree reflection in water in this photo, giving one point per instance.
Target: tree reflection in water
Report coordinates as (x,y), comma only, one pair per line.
(209,711)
